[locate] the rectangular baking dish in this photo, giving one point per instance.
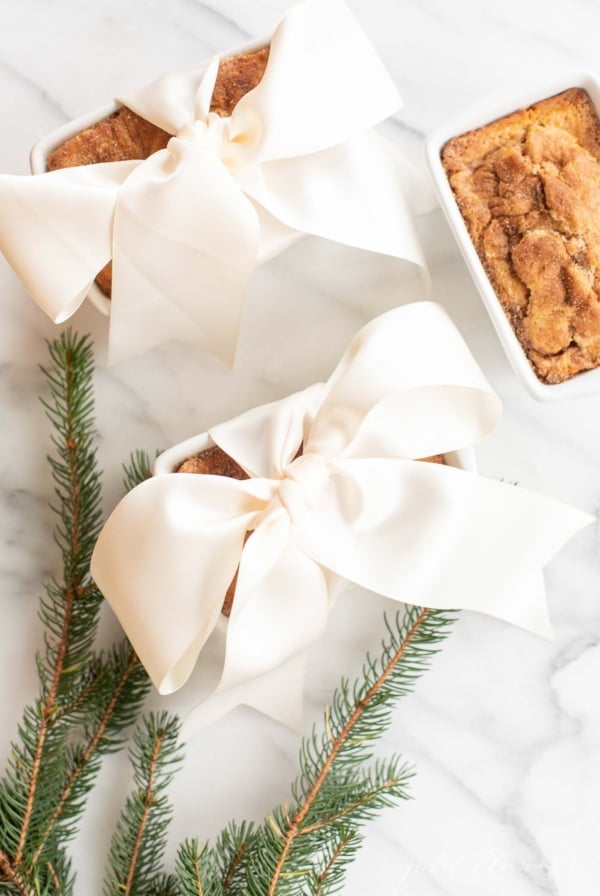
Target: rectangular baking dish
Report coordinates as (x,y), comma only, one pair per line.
(492,107)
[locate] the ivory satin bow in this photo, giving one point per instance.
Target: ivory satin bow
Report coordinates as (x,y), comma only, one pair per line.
(354,506)
(186,227)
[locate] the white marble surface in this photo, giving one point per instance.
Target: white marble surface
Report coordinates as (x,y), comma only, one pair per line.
(505,729)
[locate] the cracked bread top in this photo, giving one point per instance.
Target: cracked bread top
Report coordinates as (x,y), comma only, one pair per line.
(528,188)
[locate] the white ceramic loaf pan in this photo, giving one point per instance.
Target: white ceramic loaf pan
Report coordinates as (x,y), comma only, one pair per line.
(496,106)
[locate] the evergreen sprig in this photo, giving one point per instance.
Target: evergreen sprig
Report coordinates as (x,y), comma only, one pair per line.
(197,870)
(304,848)
(137,470)
(139,840)
(87,698)
(28,797)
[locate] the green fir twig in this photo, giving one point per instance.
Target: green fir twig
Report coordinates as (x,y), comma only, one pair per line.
(304,849)
(136,470)
(27,796)
(138,844)
(87,699)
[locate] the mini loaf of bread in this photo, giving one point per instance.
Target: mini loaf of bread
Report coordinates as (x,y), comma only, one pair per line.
(215,462)
(528,187)
(124,135)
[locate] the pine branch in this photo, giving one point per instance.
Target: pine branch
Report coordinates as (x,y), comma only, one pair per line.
(231,849)
(139,840)
(137,470)
(214,871)
(197,870)
(371,796)
(164,885)
(305,849)
(10,876)
(334,796)
(126,686)
(69,610)
(337,854)
(87,699)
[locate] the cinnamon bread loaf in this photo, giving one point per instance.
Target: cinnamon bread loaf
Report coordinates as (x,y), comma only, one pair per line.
(528,187)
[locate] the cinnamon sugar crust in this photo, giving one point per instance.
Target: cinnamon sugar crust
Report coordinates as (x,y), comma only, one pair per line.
(124,135)
(528,187)
(214,461)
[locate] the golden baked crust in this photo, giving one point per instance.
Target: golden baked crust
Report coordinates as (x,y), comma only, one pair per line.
(214,461)
(124,135)
(528,187)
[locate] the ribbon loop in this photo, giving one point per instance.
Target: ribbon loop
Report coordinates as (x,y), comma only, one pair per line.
(336,493)
(206,88)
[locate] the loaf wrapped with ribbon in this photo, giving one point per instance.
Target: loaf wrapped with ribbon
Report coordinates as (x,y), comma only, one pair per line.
(334,494)
(186,227)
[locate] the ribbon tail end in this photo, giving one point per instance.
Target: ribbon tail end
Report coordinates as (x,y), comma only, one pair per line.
(277,694)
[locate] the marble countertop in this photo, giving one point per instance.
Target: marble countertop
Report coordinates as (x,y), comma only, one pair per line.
(504,731)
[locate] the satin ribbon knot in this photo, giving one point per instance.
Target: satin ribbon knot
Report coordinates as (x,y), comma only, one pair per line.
(186,227)
(212,134)
(357,506)
(303,479)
